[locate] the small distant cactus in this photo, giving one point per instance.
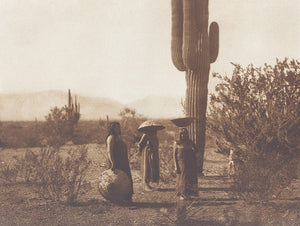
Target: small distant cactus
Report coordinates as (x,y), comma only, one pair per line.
(73,111)
(193,49)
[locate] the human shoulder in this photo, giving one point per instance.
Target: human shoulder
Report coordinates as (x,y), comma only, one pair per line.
(176,144)
(111,138)
(144,138)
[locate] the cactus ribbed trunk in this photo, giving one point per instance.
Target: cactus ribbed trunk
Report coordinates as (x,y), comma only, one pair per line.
(193,49)
(196,103)
(196,96)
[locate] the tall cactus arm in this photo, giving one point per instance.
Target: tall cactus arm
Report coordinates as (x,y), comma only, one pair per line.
(190,34)
(177,29)
(213,41)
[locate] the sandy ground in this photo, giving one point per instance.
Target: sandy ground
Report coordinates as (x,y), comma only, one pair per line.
(216,204)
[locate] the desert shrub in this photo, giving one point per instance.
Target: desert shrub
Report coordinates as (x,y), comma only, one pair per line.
(59,178)
(8,172)
(59,127)
(256,114)
(130,121)
(75,169)
(27,166)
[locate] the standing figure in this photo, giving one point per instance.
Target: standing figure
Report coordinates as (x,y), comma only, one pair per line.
(231,167)
(117,153)
(185,165)
(148,147)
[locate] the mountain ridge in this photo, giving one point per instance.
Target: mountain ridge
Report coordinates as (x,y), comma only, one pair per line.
(29,106)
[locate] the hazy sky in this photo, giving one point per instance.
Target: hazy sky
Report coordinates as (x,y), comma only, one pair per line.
(121,48)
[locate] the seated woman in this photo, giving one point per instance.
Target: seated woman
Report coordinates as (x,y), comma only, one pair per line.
(185,165)
(117,153)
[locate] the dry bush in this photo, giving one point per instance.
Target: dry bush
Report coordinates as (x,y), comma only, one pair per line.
(58,178)
(256,113)
(27,166)
(8,172)
(130,121)
(59,127)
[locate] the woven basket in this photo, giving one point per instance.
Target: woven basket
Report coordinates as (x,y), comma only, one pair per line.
(183,122)
(150,125)
(114,186)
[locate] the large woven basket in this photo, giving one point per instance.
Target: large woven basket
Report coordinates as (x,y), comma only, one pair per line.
(150,125)
(114,186)
(183,122)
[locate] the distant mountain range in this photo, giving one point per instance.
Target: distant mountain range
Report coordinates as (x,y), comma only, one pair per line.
(158,106)
(36,105)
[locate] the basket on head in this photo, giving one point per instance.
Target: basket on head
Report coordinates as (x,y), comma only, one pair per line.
(150,125)
(183,122)
(114,185)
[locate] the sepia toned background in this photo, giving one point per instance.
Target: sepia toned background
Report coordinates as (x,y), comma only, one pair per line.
(121,49)
(114,57)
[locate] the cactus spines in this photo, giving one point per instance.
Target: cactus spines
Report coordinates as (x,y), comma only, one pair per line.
(198,49)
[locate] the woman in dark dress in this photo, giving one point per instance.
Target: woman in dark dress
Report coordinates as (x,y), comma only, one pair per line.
(185,165)
(117,153)
(148,147)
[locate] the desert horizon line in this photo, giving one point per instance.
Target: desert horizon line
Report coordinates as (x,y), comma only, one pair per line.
(90,95)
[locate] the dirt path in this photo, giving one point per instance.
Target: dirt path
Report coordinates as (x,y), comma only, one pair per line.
(216,205)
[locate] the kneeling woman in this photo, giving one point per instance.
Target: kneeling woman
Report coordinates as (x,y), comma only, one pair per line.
(185,165)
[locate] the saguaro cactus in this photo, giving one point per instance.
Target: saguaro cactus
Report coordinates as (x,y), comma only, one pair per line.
(73,111)
(193,50)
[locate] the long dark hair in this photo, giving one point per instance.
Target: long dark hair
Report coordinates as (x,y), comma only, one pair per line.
(111,129)
(183,130)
